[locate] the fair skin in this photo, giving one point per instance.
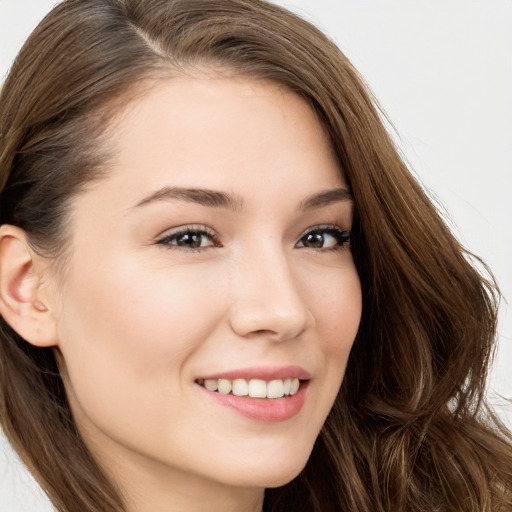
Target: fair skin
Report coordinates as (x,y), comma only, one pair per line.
(142,316)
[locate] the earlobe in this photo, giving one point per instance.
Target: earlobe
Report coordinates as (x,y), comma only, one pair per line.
(21,302)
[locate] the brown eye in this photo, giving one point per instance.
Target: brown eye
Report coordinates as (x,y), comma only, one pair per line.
(189,238)
(329,237)
(192,240)
(315,240)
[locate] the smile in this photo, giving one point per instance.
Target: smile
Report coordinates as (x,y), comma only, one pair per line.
(267,394)
(254,388)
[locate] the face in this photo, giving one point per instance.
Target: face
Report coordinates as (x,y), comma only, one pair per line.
(215,254)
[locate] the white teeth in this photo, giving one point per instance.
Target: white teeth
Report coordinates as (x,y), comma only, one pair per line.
(255,388)
(275,389)
(240,387)
(224,386)
(211,384)
(294,386)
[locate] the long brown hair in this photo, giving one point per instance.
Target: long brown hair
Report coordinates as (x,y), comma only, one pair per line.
(410,430)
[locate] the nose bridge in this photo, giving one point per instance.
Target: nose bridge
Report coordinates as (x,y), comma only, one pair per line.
(267,296)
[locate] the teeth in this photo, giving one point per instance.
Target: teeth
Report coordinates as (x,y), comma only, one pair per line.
(294,386)
(224,386)
(255,388)
(211,384)
(240,387)
(275,389)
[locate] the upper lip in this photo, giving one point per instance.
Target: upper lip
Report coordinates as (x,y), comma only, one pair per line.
(262,372)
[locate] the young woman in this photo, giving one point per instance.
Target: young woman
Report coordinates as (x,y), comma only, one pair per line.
(220,287)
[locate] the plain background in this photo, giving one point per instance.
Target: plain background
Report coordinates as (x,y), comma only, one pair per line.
(442,70)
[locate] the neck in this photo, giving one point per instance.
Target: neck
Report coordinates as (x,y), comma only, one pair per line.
(193,496)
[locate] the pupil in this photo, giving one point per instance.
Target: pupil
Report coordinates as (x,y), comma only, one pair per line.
(315,240)
(190,240)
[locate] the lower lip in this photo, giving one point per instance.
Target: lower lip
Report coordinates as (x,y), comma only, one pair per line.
(269,410)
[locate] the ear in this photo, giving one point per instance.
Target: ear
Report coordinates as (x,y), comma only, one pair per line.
(23,303)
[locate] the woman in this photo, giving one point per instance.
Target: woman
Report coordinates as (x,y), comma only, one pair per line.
(218,277)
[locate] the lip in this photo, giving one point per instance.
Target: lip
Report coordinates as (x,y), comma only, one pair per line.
(266,410)
(262,372)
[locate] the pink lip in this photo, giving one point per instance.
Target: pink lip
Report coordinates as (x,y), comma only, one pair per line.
(269,410)
(263,372)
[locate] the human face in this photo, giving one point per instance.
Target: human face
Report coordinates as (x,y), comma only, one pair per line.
(168,286)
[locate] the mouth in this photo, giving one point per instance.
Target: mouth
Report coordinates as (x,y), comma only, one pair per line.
(253,388)
(263,394)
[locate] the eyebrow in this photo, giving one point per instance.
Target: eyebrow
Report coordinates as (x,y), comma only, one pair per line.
(202,196)
(326,198)
(216,199)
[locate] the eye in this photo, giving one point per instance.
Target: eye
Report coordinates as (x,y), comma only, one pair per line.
(190,237)
(324,237)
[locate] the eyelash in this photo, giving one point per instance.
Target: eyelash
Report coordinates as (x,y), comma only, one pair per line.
(341,236)
(190,230)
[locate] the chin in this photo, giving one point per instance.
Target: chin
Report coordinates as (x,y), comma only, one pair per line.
(281,480)
(275,470)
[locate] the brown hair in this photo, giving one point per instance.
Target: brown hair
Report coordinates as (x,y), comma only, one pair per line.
(410,430)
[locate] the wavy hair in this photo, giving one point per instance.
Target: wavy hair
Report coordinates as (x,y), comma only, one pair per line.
(410,430)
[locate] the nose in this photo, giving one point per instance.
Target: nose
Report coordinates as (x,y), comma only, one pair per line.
(268,301)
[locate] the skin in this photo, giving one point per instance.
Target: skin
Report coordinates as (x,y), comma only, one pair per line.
(138,321)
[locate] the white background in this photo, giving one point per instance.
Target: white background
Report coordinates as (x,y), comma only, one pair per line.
(442,70)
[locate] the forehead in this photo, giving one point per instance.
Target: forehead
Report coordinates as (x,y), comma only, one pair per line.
(232,134)
(182,116)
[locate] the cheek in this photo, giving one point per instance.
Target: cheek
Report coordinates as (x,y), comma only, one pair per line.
(126,337)
(136,304)
(337,311)
(129,329)
(337,306)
